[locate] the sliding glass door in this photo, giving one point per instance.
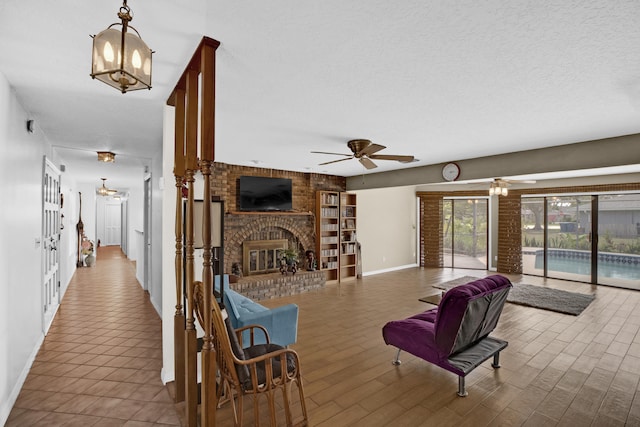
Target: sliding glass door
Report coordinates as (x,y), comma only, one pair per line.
(587,238)
(533,235)
(569,238)
(619,240)
(465,233)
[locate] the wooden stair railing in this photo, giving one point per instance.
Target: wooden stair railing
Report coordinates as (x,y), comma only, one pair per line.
(194,100)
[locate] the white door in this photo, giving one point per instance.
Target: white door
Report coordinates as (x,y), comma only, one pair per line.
(50,242)
(112,223)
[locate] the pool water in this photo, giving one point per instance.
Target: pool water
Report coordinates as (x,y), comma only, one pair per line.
(615,266)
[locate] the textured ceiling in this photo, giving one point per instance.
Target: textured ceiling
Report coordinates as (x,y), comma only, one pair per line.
(443,81)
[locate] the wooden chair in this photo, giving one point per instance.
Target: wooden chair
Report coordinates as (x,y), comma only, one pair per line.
(246,371)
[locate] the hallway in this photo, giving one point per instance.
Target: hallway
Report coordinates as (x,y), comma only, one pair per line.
(100,362)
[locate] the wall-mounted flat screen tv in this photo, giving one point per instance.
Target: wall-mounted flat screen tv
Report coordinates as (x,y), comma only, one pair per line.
(259,193)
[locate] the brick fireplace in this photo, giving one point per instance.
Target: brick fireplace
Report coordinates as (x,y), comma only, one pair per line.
(296,227)
(265,232)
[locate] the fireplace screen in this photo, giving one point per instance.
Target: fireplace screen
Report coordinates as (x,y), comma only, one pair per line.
(261,256)
(263,261)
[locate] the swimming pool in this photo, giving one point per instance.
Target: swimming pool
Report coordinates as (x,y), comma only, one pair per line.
(611,265)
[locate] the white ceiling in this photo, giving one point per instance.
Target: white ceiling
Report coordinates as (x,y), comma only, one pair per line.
(441,80)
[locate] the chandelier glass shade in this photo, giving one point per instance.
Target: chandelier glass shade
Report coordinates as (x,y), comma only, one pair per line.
(498,188)
(121,58)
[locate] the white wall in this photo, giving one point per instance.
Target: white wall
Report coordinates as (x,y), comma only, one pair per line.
(136,215)
(21,163)
(156,282)
(386,223)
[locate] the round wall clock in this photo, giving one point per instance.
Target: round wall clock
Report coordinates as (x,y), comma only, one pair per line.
(450,171)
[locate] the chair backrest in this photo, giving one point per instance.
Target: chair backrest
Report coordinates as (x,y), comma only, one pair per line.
(225,340)
(469,312)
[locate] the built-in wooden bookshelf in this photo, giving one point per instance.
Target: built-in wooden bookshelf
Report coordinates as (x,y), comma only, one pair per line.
(348,237)
(337,245)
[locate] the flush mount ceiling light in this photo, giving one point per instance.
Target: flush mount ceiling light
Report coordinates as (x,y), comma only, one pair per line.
(120,58)
(106,156)
(104,191)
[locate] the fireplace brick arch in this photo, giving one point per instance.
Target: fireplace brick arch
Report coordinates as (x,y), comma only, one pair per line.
(241,228)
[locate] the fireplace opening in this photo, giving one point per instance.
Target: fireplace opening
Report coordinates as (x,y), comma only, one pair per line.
(261,256)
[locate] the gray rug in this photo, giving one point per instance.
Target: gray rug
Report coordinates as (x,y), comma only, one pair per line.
(537,296)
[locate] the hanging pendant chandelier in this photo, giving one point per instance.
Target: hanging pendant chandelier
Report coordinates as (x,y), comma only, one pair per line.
(120,58)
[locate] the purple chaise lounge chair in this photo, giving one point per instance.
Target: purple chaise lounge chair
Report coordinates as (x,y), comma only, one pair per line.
(455,335)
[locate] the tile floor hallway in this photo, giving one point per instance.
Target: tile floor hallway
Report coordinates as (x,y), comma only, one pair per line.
(100,363)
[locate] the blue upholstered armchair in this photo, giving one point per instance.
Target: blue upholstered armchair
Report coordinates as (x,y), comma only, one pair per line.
(281,322)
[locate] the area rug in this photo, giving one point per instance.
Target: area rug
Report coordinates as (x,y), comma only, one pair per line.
(536,296)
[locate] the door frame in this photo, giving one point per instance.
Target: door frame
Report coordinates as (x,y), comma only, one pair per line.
(147,231)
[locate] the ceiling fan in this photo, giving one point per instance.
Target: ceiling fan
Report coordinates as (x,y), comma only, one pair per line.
(364,150)
(499,186)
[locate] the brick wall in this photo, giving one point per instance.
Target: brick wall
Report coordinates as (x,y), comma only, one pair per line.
(509,234)
(298,227)
(431,239)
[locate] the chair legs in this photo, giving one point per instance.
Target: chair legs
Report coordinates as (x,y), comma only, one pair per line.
(461,390)
(496,360)
(397,361)
(495,364)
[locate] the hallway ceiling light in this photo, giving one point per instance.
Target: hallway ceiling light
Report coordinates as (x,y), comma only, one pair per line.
(106,156)
(104,191)
(120,58)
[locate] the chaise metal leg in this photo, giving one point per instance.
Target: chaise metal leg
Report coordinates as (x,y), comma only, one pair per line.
(461,391)
(397,359)
(496,360)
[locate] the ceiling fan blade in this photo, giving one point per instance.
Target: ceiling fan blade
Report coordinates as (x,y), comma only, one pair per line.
(334,161)
(372,148)
(367,163)
(517,181)
(335,154)
(403,159)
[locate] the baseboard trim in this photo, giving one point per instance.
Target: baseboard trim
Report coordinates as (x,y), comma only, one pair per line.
(6,406)
(387,270)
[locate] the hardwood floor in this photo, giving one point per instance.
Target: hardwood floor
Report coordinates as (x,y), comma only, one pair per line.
(557,370)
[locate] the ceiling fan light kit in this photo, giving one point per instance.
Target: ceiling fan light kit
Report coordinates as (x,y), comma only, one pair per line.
(498,188)
(121,58)
(364,150)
